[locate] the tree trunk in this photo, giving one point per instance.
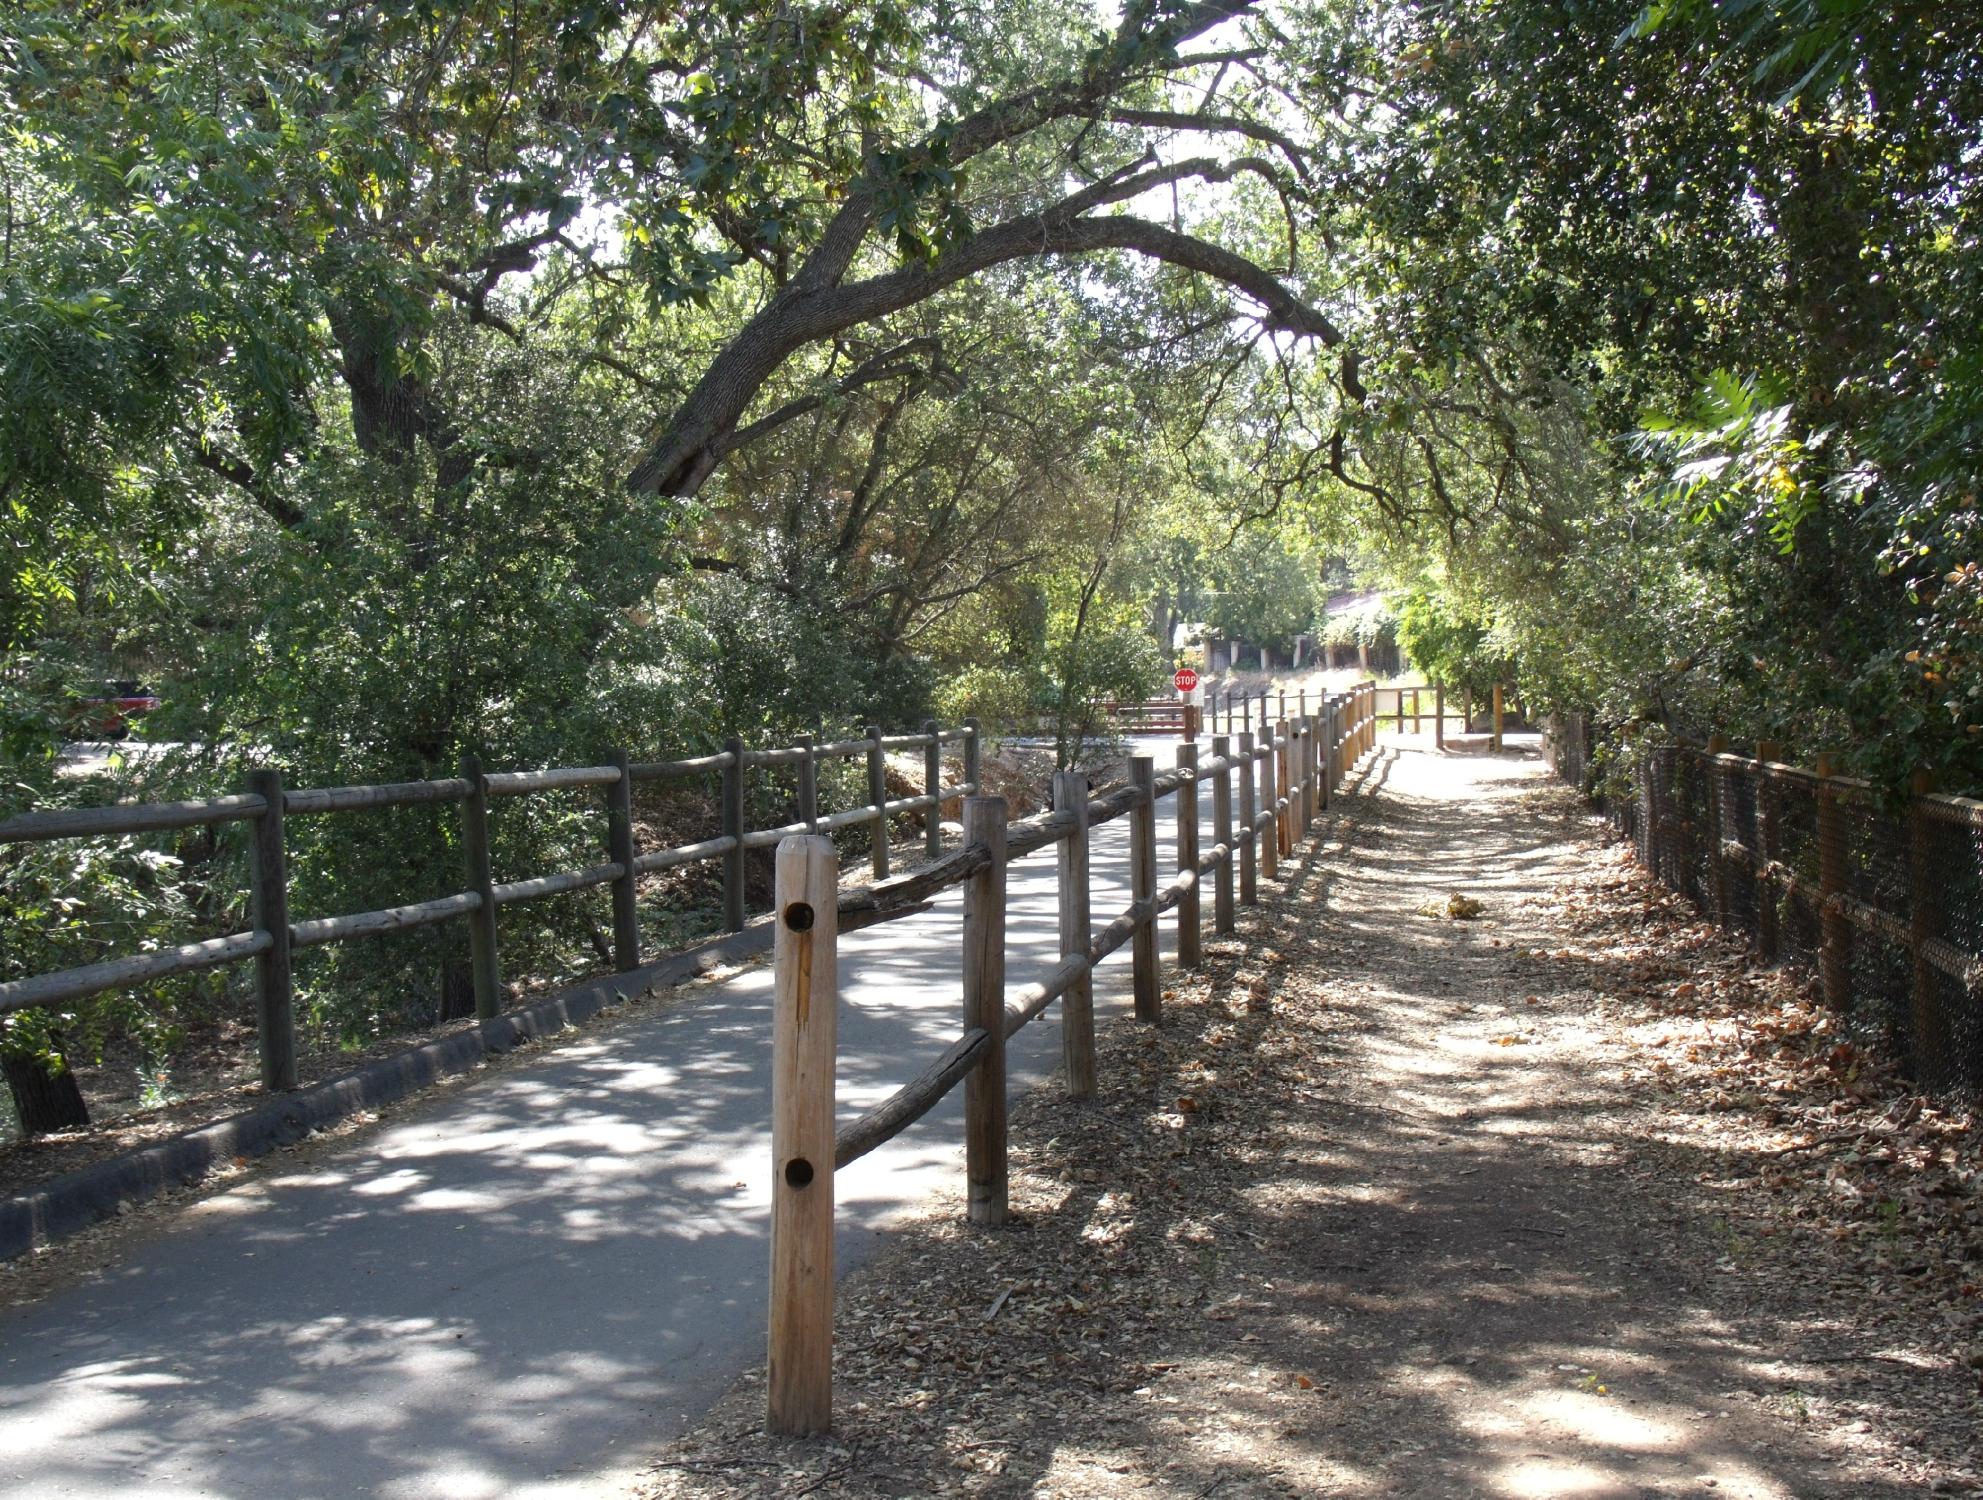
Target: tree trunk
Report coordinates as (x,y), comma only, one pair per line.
(43,1101)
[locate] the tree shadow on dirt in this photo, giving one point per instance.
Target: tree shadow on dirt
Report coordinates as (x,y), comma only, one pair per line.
(1387,1267)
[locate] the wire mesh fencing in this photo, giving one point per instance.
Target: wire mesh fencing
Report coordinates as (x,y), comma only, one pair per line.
(1881,898)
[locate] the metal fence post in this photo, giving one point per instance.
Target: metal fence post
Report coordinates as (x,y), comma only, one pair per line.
(1146,980)
(984,1006)
(1767,843)
(619,849)
(1930,1040)
(1835,954)
(482,921)
(1222,912)
(799,1394)
(734,866)
(1077,1006)
(1717,866)
(275,984)
(1190,945)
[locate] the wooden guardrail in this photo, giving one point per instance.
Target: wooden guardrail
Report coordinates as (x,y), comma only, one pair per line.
(275,935)
(1285,777)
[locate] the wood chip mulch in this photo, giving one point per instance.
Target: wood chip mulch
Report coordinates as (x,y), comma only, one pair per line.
(1545,1191)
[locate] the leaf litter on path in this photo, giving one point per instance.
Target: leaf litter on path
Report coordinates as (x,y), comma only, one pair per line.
(1367,1240)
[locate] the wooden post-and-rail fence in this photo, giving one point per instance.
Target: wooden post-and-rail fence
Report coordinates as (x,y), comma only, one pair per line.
(1294,766)
(275,935)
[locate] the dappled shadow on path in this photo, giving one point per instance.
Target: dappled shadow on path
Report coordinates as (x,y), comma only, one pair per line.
(1435,1272)
(510,1286)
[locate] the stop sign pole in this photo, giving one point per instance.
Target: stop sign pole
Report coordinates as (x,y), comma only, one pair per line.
(1185,680)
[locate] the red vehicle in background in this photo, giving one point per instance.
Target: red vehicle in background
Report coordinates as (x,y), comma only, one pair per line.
(107,713)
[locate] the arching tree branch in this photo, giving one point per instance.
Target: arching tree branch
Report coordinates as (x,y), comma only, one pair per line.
(698,437)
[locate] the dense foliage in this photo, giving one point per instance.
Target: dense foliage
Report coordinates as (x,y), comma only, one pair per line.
(388,383)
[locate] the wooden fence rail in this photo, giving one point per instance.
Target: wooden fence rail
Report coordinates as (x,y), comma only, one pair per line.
(1295,763)
(276,935)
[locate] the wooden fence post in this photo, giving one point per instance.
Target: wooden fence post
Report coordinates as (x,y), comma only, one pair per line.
(1246,712)
(1835,955)
(1222,912)
(1325,750)
(481,880)
(1332,750)
(1077,1006)
(1289,792)
(619,849)
(1305,774)
(1717,807)
(1269,837)
(1767,845)
(1294,788)
(1439,716)
(1146,979)
(984,1006)
(1190,947)
(932,787)
(1247,844)
(1310,793)
(878,796)
(974,757)
(1497,717)
(734,865)
(809,783)
(275,983)
(799,1395)
(1930,1047)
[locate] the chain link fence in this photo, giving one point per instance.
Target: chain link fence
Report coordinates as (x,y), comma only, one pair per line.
(1881,898)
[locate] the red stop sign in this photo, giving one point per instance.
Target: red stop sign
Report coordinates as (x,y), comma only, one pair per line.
(1185,680)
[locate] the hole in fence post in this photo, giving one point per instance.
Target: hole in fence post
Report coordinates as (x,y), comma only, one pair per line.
(798,916)
(798,1172)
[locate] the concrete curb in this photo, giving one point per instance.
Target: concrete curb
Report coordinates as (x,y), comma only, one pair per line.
(94,1193)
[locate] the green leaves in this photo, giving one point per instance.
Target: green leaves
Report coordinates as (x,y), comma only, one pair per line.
(1737,443)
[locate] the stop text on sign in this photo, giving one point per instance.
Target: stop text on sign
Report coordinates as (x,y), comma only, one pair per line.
(1185,680)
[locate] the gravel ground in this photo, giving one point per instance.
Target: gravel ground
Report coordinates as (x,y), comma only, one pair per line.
(1475,1166)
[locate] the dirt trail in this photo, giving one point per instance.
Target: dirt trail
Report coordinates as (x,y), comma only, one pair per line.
(1381,1210)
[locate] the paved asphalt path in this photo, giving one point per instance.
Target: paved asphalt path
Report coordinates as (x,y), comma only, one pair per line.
(518,1290)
